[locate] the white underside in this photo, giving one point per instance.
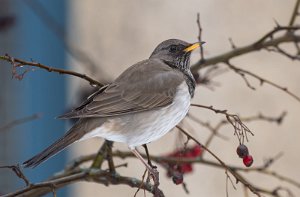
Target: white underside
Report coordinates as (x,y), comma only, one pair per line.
(144,127)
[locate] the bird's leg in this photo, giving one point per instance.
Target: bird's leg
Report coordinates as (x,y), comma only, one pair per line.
(148,156)
(153,171)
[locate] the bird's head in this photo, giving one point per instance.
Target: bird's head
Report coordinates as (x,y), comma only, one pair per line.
(175,53)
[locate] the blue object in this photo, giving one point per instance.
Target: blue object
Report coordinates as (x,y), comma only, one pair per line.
(38,92)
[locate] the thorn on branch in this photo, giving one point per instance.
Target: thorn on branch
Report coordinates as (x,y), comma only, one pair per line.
(232,43)
(276,23)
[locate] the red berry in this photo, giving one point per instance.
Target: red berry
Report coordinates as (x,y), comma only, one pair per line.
(248,160)
(197,151)
(186,168)
(242,151)
(177,177)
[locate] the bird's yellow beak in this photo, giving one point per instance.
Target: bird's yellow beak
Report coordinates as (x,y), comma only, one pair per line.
(193,46)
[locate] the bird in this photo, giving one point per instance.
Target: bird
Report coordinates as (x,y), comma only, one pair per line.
(144,103)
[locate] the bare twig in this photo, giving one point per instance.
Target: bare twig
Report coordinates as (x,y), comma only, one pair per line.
(94,175)
(261,43)
(240,129)
(175,160)
(20,62)
(207,125)
(139,188)
(295,13)
(216,128)
(234,173)
(200,38)
(244,72)
(16,169)
(19,121)
(278,49)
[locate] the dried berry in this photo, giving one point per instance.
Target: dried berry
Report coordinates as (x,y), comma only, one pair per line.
(242,151)
(177,178)
(248,160)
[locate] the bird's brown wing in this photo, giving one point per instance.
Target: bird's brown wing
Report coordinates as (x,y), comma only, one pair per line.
(147,85)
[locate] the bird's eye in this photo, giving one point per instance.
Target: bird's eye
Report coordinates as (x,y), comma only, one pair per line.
(173,49)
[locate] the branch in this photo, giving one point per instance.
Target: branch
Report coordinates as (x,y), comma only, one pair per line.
(256,46)
(18,122)
(200,38)
(254,189)
(242,72)
(21,63)
(200,160)
(216,128)
(16,169)
(240,129)
(90,175)
(295,13)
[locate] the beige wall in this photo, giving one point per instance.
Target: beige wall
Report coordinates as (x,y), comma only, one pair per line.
(117,34)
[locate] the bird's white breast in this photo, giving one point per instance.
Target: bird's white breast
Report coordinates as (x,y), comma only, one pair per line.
(144,127)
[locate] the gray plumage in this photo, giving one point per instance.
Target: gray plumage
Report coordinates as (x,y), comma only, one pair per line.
(148,87)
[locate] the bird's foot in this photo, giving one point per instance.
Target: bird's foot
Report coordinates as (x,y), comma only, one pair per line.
(151,165)
(154,175)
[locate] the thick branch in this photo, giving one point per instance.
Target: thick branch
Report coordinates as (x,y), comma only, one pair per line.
(98,176)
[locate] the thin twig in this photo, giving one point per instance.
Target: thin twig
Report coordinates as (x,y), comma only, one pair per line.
(20,62)
(16,169)
(240,129)
(200,38)
(235,174)
(295,13)
(255,46)
(263,80)
(17,122)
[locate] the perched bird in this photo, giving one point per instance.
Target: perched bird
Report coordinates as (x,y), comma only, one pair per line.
(144,103)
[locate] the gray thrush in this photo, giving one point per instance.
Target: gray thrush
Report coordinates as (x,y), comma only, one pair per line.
(144,103)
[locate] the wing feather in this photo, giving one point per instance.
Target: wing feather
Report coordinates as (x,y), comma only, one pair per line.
(147,85)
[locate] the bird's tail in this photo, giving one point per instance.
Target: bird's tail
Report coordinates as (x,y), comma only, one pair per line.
(74,134)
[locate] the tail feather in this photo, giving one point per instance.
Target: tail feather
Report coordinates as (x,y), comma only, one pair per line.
(56,147)
(74,134)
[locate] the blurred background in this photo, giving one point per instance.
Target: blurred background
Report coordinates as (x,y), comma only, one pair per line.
(103,38)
